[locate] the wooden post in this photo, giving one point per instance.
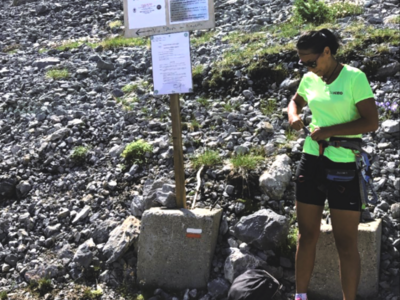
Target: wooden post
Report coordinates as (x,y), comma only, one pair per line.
(178,152)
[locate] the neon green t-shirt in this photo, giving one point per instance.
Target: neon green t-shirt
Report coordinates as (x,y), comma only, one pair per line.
(333,104)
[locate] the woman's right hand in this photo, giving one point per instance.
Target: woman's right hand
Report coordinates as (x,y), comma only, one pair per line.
(296,123)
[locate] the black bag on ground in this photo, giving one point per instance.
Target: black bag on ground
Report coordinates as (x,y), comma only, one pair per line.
(255,284)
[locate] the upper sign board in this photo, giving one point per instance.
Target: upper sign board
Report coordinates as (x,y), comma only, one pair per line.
(154,17)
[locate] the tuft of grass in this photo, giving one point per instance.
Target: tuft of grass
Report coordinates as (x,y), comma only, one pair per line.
(395,20)
(197,70)
(135,151)
(245,162)
(42,286)
(129,88)
(3,295)
(229,107)
(209,158)
(289,247)
(57,74)
(79,154)
(267,107)
(203,102)
(204,38)
(115,24)
(128,103)
(194,124)
(11,49)
(344,9)
(318,12)
(119,42)
(290,134)
(69,45)
(312,11)
(89,294)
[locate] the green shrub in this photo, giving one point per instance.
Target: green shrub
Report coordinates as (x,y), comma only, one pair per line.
(344,9)
(129,88)
(290,134)
(115,24)
(229,107)
(311,11)
(79,154)
(135,151)
(209,158)
(42,286)
(89,294)
(194,124)
(203,102)
(197,70)
(267,107)
(245,162)
(3,295)
(69,45)
(120,42)
(57,74)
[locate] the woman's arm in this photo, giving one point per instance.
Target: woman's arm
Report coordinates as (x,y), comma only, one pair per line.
(294,108)
(368,121)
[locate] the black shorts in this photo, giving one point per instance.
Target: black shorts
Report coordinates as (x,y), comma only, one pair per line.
(313,188)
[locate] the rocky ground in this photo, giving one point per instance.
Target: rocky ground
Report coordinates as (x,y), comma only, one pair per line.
(62,218)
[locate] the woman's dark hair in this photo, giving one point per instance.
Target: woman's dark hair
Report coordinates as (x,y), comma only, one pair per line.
(318,40)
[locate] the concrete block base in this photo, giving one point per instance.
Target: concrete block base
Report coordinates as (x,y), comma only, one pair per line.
(176,247)
(325,282)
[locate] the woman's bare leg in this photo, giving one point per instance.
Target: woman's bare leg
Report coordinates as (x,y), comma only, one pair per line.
(309,220)
(345,230)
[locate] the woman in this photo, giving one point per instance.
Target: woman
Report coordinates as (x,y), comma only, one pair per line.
(342,105)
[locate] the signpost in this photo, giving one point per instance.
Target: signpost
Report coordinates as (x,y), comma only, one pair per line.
(172,70)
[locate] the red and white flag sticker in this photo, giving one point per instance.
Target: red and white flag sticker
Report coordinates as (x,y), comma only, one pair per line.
(193,233)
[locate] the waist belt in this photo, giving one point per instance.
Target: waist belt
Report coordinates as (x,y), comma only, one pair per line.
(362,163)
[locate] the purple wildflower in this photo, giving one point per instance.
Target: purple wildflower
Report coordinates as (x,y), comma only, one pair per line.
(387,103)
(394,106)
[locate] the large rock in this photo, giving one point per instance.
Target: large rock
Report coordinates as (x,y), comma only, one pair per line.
(391,126)
(388,70)
(7,187)
(121,238)
(237,263)
(101,233)
(158,193)
(21,2)
(395,209)
(41,272)
(84,255)
(59,134)
(264,229)
(45,62)
(275,180)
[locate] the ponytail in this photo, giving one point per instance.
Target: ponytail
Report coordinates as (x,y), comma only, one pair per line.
(318,40)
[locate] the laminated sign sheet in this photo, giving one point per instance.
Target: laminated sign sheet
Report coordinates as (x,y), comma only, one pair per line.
(172,69)
(181,11)
(155,17)
(146,13)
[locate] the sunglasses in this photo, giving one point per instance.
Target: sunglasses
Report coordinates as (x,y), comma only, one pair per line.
(310,64)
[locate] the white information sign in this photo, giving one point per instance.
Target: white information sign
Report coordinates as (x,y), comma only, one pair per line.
(172,68)
(146,13)
(182,11)
(155,17)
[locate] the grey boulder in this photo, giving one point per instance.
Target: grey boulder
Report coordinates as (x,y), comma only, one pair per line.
(264,229)
(275,180)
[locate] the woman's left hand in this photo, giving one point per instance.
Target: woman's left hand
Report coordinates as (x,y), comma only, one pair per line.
(320,133)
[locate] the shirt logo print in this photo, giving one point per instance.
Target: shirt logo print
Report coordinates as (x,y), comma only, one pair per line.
(336,93)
